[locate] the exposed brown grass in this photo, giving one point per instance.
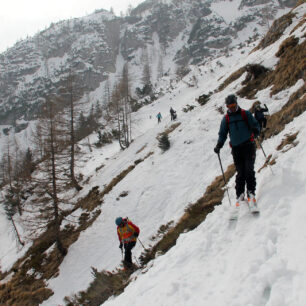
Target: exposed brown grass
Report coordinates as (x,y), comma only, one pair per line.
(168,130)
(27,292)
(299,2)
(123,194)
(253,84)
(288,140)
(142,148)
(163,229)
(105,285)
(233,77)
(276,31)
(266,163)
(295,106)
(289,70)
(92,200)
(99,168)
(301,23)
(172,128)
(290,42)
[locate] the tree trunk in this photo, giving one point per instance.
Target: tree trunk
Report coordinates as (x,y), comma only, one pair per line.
(57,221)
(72,144)
(16,231)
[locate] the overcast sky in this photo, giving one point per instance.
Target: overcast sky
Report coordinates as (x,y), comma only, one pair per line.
(19,18)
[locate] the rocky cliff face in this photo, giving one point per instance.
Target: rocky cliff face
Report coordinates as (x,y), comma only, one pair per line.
(187,31)
(37,67)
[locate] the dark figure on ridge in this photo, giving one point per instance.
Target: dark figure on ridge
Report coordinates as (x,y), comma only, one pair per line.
(172,114)
(260,117)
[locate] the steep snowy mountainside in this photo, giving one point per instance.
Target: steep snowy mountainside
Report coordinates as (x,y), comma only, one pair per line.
(212,263)
(216,264)
(35,68)
(177,32)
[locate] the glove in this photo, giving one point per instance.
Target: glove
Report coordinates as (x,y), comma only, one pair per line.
(136,235)
(217,148)
(256,133)
(120,245)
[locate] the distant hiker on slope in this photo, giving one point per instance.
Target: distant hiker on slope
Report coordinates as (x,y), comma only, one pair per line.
(159,117)
(127,234)
(242,128)
(172,114)
(260,117)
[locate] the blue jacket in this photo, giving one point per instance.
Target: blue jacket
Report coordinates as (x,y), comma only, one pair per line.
(240,131)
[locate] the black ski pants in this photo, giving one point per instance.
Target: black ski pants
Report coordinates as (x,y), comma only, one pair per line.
(128,252)
(244,159)
(262,123)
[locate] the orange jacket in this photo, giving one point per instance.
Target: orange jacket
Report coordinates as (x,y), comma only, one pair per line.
(126,232)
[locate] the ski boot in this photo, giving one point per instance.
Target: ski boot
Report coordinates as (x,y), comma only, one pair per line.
(235,209)
(252,203)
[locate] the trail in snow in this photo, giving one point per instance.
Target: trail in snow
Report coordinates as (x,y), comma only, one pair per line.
(259,262)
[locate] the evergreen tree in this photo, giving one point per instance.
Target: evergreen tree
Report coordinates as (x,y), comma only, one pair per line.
(99,143)
(164,142)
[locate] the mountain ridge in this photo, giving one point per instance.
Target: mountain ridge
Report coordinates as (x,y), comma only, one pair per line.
(90,47)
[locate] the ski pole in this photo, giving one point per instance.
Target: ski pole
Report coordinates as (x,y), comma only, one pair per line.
(141,244)
(267,109)
(265,156)
(121,253)
(224,179)
(136,261)
(262,149)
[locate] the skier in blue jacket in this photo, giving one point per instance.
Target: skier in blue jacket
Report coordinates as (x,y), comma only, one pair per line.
(242,128)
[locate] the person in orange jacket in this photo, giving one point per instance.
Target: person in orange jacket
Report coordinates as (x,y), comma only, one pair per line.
(127,234)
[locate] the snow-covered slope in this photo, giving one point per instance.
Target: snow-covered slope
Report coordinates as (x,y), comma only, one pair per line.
(259,261)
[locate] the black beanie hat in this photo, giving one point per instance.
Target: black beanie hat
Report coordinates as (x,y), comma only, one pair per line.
(230,99)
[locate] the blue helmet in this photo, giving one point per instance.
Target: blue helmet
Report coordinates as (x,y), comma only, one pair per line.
(118,221)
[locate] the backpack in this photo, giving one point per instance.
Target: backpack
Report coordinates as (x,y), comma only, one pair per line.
(259,115)
(245,119)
